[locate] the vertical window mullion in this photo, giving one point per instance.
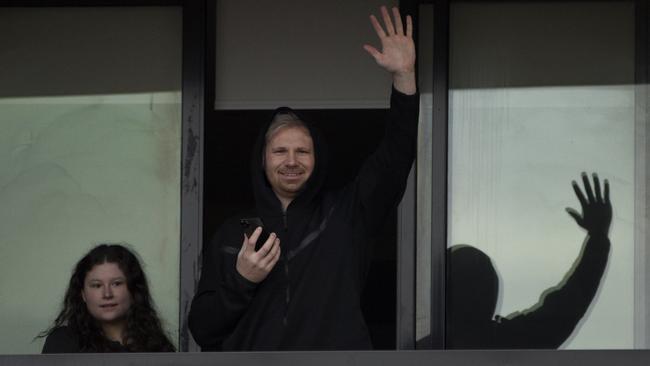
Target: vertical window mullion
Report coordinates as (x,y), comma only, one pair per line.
(439,169)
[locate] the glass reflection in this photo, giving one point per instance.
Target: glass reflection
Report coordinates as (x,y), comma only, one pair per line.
(539,92)
(473,288)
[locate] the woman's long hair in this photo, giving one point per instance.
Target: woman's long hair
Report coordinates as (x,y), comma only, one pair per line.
(143,331)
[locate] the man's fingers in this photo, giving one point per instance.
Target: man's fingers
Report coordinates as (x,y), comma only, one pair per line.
(390,28)
(606,191)
(409,26)
(579,194)
(274,259)
(268,244)
(399,27)
(378,29)
(588,191)
(264,262)
(255,235)
(599,197)
(372,51)
(248,245)
(272,249)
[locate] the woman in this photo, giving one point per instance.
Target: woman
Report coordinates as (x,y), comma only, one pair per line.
(107,308)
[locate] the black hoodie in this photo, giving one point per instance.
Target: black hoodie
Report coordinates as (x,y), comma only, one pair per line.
(311,298)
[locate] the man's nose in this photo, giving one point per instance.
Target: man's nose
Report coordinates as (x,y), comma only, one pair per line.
(291,158)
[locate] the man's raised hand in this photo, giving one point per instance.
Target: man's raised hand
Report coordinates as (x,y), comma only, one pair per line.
(397,53)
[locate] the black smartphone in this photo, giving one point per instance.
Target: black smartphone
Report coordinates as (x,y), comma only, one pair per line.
(249,225)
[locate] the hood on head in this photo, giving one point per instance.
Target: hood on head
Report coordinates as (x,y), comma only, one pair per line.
(265,199)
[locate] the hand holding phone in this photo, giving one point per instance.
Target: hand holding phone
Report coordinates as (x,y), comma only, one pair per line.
(255,263)
(249,225)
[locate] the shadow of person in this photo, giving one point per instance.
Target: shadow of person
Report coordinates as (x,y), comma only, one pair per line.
(473,288)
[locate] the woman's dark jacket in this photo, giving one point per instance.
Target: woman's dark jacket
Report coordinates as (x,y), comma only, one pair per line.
(311,298)
(63,340)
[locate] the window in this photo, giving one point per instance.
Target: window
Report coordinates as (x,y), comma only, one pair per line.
(90,111)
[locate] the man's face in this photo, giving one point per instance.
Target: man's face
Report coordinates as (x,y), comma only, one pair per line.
(289,161)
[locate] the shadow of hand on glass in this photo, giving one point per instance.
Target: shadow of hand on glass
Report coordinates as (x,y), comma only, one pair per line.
(473,288)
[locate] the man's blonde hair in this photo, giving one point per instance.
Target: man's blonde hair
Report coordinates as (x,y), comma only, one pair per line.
(284,119)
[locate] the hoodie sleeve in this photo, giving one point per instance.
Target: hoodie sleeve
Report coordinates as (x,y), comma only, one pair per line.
(382,178)
(222,297)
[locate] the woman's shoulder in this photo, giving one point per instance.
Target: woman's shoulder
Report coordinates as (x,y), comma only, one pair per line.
(61,340)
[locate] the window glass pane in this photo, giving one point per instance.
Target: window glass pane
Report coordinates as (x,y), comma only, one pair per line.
(89,153)
(540,92)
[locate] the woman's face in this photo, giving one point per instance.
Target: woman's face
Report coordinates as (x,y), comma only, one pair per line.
(106,294)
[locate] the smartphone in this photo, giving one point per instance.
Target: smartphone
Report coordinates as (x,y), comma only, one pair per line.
(249,225)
